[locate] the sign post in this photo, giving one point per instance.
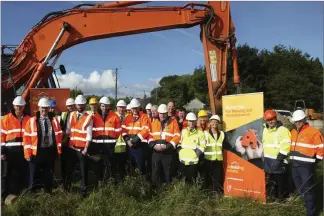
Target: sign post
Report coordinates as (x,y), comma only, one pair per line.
(60,95)
(243,126)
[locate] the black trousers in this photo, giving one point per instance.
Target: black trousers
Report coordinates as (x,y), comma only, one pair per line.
(15,163)
(76,157)
(103,168)
(41,169)
(65,160)
(189,172)
(276,185)
(119,161)
(213,175)
(162,163)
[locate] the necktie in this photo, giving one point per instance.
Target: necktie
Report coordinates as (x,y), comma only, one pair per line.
(78,116)
(46,127)
(46,137)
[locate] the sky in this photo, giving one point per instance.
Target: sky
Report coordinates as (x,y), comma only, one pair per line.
(144,58)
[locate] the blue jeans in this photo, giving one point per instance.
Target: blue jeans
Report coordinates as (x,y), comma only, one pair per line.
(303,179)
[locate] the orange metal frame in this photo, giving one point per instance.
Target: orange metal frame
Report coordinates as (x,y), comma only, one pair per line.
(118,19)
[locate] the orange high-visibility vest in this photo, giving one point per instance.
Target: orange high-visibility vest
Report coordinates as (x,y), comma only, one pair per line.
(171,133)
(140,126)
(12,130)
(110,127)
(307,145)
(78,133)
(31,136)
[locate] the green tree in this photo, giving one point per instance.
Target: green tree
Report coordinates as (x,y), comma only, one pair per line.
(75,92)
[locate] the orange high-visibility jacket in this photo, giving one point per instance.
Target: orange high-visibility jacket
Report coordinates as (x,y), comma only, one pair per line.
(12,130)
(171,132)
(307,145)
(140,126)
(78,133)
(110,128)
(31,135)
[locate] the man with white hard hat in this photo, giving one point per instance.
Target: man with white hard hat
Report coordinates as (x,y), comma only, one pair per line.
(213,173)
(307,149)
(42,144)
(66,151)
(164,138)
(120,154)
(105,132)
(79,129)
(12,150)
(148,110)
(135,131)
(191,147)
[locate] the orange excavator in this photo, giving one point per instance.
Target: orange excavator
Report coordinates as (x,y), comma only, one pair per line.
(31,64)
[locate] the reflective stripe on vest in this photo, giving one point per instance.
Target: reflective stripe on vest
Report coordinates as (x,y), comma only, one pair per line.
(214,150)
(273,145)
(139,127)
(12,130)
(78,132)
(31,137)
(170,133)
(120,146)
(190,141)
(307,145)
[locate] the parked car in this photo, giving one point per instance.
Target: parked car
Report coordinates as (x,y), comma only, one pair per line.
(286,113)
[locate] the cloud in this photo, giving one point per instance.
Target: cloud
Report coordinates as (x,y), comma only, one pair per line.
(104,84)
(94,84)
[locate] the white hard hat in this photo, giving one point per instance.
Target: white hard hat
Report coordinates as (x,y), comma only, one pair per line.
(163,108)
(191,117)
(44,102)
(148,106)
(298,115)
(134,103)
(121,103)
(69,102)
(80,99)
(19,101)
(128,107)
(215,117)
(104,100)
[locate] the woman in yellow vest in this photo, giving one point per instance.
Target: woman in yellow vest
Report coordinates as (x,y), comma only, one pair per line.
(191,147)
(213,171)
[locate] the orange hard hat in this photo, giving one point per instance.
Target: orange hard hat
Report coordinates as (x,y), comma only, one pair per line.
(270,114)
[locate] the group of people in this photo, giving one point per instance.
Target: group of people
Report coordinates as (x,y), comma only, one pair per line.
(158,141)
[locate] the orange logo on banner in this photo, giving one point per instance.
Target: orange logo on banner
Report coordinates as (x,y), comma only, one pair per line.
(243,179)
(60,95)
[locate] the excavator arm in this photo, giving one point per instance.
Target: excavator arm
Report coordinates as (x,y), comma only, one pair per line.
(63,29)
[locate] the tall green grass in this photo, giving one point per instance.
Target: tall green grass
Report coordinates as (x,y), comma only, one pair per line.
(134,196)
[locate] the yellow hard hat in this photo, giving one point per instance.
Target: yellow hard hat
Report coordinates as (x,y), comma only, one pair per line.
(93,100)
(202,113)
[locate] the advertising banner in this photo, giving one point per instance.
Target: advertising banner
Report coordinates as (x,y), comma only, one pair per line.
(243,126)
(60,95)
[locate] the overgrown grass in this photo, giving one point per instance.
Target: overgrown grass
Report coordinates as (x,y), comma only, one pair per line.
(134,196)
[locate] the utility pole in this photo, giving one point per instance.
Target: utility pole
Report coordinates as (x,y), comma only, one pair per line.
(116,78)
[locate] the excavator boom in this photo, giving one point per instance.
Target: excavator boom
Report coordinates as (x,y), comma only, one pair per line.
(60,30)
